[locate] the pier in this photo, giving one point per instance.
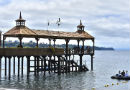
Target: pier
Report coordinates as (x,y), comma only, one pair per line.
(51,59)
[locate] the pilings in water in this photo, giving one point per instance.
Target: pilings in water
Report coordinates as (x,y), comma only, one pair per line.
(17,65)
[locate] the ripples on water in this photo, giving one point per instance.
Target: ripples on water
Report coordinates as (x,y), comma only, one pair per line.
(106,63)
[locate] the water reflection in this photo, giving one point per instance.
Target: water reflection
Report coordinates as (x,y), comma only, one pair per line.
(70,81)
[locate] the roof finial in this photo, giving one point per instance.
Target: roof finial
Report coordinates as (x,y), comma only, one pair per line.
(80,22)
(20,16)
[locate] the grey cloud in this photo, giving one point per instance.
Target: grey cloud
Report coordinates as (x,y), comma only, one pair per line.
(102,18)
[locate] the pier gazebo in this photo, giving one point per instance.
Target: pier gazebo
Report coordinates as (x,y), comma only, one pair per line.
(63,62)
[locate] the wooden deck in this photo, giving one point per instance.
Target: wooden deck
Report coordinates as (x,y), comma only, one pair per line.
(30,51)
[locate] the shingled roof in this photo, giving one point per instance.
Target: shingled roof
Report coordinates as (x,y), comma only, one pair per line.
(62,35)
(26,32)
(20,31)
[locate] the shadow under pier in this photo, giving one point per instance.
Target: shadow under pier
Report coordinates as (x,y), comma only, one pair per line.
(15,61)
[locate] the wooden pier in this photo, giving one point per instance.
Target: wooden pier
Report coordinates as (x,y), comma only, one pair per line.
(51,59)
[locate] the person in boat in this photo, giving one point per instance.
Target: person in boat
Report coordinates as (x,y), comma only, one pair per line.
(119,73)
(123,73)
(126,74)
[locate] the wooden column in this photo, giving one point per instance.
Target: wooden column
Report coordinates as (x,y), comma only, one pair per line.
(54,42)
(69,64)
(20,40)
(81,55)
(14,65)
(44,64)
(4,41)
(22,65)
(83,46)
(18,65)
(37,39)
(78,45)
(5,65)
(93,46)
(37,64)
(54,56)
(59,67)
(72,67)
(92,62)
(28,65)
(0,39)
(35,67)
(49,42)
(0,65)
(9,66)
(49,64)
(67,41)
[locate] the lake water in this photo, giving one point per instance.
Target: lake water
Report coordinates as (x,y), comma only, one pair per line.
(106,64)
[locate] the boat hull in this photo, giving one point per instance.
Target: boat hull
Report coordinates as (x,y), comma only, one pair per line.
(120,77)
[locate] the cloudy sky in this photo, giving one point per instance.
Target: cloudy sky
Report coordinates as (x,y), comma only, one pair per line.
(107,20)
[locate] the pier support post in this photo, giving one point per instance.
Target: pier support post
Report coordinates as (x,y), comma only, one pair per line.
(18,65)
(22,66)
(9,67)
(5,65)
(0,66)
(59,67)
(49,65)
(37,64)
(35,67)
(0,38)
(92,62)
(69,63)
(54,55)
(81,55)
(28,65)
(66,64)
(72,67)
(44,64)
(14,65)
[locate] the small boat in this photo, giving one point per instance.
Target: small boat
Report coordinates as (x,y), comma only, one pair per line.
(121,77)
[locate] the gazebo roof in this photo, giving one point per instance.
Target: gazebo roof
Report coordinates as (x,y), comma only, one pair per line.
(23,31)
(62,35)
(20,31)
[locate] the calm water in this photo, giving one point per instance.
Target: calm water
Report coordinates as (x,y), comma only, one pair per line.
(106,64)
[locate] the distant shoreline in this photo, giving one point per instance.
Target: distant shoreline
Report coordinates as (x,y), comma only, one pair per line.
(104,48)
(42,45)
